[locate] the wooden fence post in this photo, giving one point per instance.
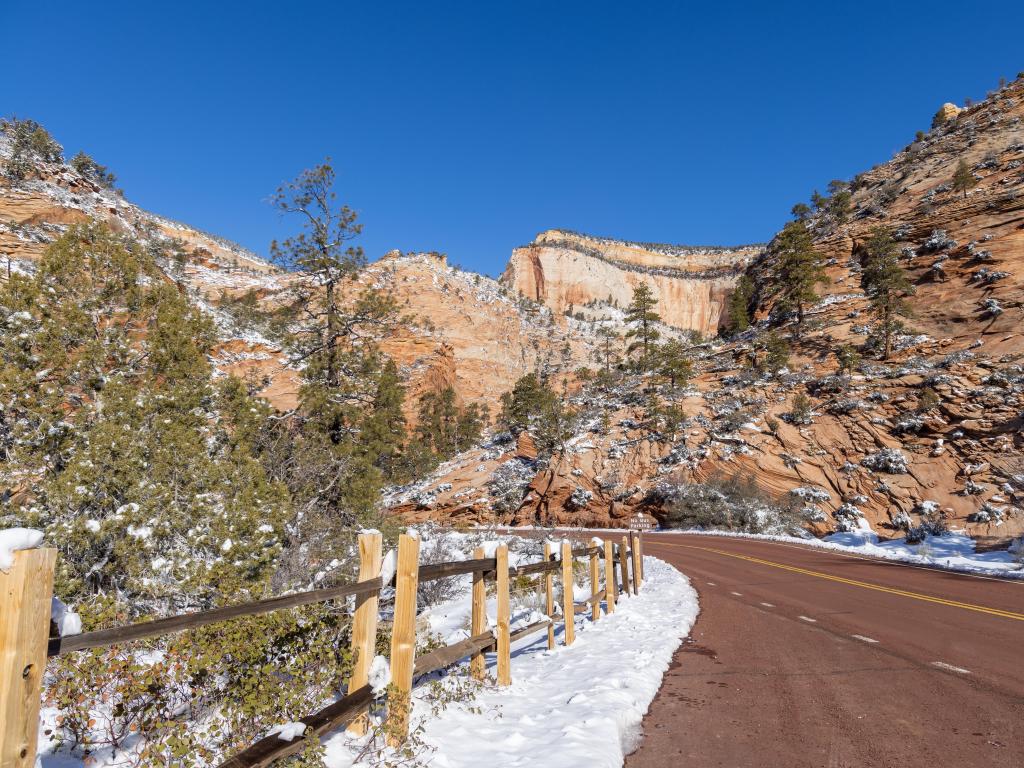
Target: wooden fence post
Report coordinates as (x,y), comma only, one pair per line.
(478,620)
(549,596)
(595,586)
(568,604)
(610,593)
(640,546)
(364,622)
(636,562)
(403,639)
(624,565)
(504,631)
(25,594)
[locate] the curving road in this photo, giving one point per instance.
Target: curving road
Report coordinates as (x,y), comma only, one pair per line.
(805,657)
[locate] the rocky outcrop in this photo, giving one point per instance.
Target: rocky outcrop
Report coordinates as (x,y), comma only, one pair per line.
(566,271)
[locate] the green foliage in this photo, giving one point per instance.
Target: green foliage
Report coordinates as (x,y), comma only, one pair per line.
(348,424)
(886,286)
(963,178)
(641,315)
(532,405)
(89,168)
(801,409)
(801,211)
(674,364)
(607,351)
(775,353)
(444,426)
(739,302)
(928,400)
(800,270)
(30,144)
(848,358)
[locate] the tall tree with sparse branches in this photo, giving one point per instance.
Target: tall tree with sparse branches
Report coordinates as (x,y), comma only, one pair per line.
(886,286)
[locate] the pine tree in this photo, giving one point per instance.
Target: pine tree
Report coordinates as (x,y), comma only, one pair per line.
(674,364)
(800,270)
(332,468)
(886,286)
(801,211)
(640,313)
(739,301)
(607,352)
(776,353)
(963,178)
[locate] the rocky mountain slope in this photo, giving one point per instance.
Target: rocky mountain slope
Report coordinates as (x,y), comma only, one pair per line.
(868,453)
(567,271)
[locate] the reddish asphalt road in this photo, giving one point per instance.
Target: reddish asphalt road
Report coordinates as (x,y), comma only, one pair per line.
(804,657)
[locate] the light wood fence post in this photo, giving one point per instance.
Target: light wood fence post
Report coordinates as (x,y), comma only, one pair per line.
(610,593)
(478,620)
(624,565)
(364,622)
(568,603)
(25,594)
(504,631)
(595,586)
(403,639)
(640,546)
(549,596)
(636,563)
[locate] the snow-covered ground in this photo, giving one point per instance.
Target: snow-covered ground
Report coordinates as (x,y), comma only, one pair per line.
(579,705)
(955,551)
(573,706)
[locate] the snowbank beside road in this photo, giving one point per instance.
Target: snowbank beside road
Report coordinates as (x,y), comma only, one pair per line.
(955,551)
(571,707)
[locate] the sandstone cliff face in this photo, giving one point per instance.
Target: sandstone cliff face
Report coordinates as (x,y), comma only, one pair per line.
(566,270)
(866,452)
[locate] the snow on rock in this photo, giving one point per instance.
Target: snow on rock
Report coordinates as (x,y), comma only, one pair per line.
(14,539)
(573,707)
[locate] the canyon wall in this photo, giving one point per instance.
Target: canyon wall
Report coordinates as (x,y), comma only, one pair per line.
(565,270)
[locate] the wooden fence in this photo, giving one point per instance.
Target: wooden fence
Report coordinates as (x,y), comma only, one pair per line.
(26,639)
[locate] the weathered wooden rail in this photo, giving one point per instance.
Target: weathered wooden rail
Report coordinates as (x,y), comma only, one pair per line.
(25,627)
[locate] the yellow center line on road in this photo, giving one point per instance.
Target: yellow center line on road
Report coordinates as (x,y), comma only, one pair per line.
(854,582)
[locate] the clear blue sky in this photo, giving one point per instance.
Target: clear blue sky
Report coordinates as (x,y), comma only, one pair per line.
(469,127)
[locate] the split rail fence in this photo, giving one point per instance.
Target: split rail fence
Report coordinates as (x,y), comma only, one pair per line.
(27,638)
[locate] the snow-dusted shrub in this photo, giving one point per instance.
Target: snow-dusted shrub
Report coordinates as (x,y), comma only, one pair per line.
(508,483)
(888,460)
(989,513)
(728,503)
(848,518)
(580,497)
(938,240)
(810,493)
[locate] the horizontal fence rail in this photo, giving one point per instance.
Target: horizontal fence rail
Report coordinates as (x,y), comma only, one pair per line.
(25,645)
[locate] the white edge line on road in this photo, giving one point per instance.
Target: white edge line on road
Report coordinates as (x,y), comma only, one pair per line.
(864,638)
(808,618)
(767,605)
(951,668)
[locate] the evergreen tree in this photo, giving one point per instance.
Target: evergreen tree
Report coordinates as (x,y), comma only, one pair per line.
(801,211)
(333,469)
(89,168)
(800,270)
(607,354)
(776,353)
(847,357)
(445,427)
(963,178)
(641,315)
(886,286)
(674,364)
(739,301)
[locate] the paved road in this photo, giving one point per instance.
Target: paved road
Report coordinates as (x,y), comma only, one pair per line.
(804,657)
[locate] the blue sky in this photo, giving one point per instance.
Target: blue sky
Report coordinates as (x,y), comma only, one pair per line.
(469,127)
